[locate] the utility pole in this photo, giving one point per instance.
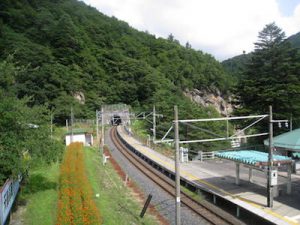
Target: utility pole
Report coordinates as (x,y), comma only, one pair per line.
(291,122)
(154,124)
(97,125)
(51,121)
(270,160)
(177,168)
(71,124)
(102,129)
(67,126)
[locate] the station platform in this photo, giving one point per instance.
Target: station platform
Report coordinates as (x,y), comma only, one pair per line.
(218,177)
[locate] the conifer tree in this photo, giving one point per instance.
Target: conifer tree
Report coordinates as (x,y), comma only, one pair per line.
(272,77)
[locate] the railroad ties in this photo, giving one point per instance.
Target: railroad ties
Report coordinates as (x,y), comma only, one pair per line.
(161,177)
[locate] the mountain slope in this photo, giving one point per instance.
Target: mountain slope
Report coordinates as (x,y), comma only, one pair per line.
(295,40)
(236,65)
(75,55)
(72,48)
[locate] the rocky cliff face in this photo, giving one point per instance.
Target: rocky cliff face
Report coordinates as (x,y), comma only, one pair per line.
(79,96)
(210,97)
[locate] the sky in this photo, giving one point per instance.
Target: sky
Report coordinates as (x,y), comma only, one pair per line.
(222,28)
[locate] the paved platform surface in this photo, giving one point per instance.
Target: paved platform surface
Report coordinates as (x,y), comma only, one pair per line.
(219,177)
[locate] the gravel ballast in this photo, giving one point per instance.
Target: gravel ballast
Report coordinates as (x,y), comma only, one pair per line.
(164,202)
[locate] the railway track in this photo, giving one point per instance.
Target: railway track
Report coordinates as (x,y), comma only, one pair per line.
(206,210)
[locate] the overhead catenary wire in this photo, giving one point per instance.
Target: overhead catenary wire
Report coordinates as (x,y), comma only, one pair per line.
(202,129)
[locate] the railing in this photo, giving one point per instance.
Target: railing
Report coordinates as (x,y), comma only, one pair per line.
(202,156)
(8,193)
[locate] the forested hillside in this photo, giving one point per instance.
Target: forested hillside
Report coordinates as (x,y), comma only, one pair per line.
(236,65)
(271,76)
(295,40)
(55,54)
(72,50)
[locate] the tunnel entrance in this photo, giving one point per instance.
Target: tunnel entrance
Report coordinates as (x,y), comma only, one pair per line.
(115,114)
(116,120)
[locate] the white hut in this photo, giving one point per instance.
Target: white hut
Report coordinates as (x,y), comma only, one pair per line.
(79,135)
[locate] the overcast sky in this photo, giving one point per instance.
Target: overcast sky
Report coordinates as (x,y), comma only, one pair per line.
(223,28)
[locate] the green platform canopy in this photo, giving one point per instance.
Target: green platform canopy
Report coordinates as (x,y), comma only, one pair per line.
(289,140)
(250,157)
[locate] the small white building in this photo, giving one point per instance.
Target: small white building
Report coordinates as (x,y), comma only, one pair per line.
(79,135)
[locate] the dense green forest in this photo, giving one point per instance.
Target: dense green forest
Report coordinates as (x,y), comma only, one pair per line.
(72,49)
(25,135)
(236,65)
(295,40)
(63,53)
(270,76)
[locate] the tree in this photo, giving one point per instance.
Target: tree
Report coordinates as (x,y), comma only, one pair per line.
(272,77)
(171,37)
(69,47)
(7,74)
(188,45)
(24,131)
(66,40)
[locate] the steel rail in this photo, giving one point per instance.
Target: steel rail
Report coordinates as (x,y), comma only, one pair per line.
(206,210)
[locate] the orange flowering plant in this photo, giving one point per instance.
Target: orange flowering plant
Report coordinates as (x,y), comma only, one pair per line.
(75,204)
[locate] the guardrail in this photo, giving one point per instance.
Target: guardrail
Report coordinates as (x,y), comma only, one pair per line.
(8,194)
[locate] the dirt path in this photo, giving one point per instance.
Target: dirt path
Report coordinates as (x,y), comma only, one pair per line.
(17,217)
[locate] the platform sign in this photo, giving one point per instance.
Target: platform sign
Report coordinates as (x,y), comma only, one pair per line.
(184,154)
(8,194)
(274,176)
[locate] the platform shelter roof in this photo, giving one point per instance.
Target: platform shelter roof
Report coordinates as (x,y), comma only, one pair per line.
(289,140)
(253,158)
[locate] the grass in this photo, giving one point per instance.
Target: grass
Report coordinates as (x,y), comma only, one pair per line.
(194,195)
(138,127)
(115,201)
(40,194)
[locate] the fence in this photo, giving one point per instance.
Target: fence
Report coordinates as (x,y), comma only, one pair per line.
(205,155)
(8,194)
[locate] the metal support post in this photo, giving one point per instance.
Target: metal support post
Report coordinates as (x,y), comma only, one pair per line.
(97,125)
(200,153)
(146,205)
(67,125)
(237,211)
(72,117)
(237,172)
(250,175)
(270,161)
(154,124)
(227,128)
(215,199)
(102,130)
(51,121)
(289,179)
(177,169)
(148,140)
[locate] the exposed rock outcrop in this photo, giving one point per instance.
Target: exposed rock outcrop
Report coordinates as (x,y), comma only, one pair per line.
(79,96)
(211,97)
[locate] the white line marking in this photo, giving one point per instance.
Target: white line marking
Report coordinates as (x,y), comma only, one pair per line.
(296,217)
(292,219)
